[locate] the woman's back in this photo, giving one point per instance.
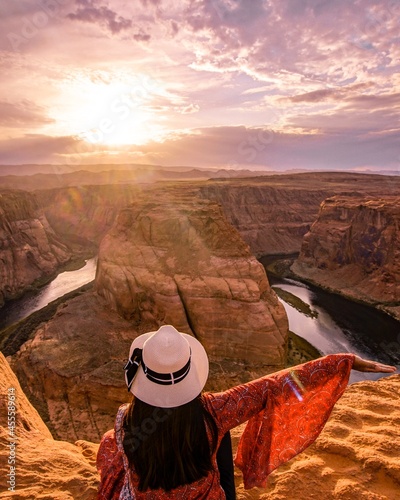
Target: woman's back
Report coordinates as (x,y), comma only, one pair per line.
(169,447)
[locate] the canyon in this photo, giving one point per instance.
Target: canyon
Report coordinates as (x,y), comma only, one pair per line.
(160,263)
(48,227)
(272,213)
(185,253)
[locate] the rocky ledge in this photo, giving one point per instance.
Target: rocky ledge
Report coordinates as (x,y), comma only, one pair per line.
(353,249)
(356,456)
(36,465)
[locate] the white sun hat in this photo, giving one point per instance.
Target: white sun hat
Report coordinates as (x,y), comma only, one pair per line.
(166,368)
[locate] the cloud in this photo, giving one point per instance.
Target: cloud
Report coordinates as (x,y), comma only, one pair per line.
(314,74)
(262,148)
(141,37)
(329,94)
(23,113)
(36,148)
(311,42)
(102,15)
(230,147)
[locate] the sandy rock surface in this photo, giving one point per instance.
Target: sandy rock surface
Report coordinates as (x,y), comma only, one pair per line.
(44,468)
(357,456)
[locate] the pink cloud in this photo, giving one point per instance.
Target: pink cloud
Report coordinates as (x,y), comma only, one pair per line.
(35,148)
(22,113)
(229,71)
(90,13)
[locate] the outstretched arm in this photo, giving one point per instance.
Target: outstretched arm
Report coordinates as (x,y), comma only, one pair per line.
(365,365)
(297,404)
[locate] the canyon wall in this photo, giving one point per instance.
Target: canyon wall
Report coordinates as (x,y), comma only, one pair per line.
(72,368)
(353,248)
(183,264)
(272,213)
(43,467)
(272,220)
(30,250)
(86,213)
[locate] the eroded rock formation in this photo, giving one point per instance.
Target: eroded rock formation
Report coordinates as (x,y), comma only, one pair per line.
(86,213)
(272,213)
(354,248)
(43,467)
(29,248)
(182,263)
(174,262)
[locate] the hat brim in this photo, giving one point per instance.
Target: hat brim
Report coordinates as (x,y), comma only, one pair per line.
(170,396)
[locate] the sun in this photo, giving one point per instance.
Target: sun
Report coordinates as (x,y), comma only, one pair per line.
(113,113)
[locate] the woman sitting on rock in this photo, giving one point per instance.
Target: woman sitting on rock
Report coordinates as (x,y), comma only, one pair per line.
(164,444)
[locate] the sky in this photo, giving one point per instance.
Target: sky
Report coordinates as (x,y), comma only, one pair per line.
(259,84)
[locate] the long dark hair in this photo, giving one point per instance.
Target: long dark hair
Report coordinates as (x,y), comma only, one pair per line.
(169,447)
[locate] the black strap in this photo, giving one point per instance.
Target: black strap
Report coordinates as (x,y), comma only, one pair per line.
(136,359)
(132,366)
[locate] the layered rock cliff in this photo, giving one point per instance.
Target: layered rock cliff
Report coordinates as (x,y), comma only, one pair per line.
(272,213)
(86,213)
(33,464)
(272,220)
(181,263)
(72,368)
(29,248)
(354,248)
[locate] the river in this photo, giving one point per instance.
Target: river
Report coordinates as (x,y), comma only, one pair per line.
(336,325)
(33,301)
(340,325)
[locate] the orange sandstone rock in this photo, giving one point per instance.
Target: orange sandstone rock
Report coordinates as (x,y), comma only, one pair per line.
(356,456)
(182,263)
(44,468)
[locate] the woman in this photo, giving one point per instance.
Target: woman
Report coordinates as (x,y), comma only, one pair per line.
(164,444)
